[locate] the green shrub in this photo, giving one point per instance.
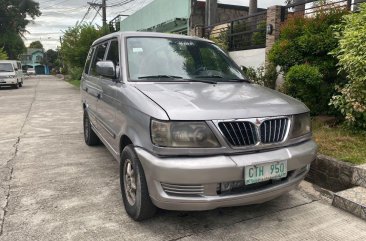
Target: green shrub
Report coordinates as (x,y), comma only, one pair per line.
(75,73)
(259,37)
(304,82)
(3,54)
(351,54)
(263,76)
(221,40)
(308,40)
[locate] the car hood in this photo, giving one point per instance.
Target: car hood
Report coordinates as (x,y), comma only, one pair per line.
(202,101)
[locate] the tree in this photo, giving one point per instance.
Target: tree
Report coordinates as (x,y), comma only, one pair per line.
(36,45)
(14,14)
(51,57)
(3,54)
(13,44)
(75,46)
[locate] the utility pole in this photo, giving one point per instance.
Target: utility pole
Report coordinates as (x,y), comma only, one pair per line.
(103,6)
(104,12)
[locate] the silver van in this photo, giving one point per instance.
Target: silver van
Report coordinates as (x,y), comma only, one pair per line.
(190,131)
(11,73)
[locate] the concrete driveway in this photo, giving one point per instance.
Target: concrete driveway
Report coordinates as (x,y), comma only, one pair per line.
(54,187)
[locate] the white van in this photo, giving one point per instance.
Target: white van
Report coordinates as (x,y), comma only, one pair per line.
(11,73)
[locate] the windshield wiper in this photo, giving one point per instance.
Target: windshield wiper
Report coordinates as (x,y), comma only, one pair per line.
(221,77)
(177,78)
(161,76)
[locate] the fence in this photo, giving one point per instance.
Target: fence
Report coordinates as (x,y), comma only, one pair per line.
(309,8)
(247,32)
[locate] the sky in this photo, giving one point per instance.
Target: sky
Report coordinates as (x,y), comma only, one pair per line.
(58,15)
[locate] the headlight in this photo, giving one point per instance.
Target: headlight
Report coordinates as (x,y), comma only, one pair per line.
(301,125)
(12,76)
(182,134)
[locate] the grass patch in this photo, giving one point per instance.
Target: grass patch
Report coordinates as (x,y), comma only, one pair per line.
(339,142)
(75,83)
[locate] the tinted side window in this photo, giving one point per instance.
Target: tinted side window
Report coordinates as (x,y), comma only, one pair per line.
(98,56)
(113,54)
(88,60)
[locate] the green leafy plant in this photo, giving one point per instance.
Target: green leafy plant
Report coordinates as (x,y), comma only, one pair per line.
(265,76)
(3,54)
(76,44)
(304,82)
(308,40)
(351,54)
(221,40)
(259,37)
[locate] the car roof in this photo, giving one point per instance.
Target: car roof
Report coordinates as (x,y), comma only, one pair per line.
(146,34)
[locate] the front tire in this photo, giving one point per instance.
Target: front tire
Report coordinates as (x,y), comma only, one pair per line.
(91,139)
(134,189)
(16,86)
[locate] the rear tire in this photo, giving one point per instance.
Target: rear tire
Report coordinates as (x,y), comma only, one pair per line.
(135,194)
(91,139)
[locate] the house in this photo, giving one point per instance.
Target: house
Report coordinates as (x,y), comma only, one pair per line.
(178,16)
(34,58)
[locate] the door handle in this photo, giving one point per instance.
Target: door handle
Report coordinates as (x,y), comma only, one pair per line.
(99,95)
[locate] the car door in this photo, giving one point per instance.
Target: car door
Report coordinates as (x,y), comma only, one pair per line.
(107,104)
(90,82)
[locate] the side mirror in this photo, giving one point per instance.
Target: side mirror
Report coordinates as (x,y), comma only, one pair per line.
(243,68)
(106,69)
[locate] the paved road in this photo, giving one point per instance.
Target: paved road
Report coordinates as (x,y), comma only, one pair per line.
(54,187)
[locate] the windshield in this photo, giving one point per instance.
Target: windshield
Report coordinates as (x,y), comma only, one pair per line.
(169,58)
(6,67)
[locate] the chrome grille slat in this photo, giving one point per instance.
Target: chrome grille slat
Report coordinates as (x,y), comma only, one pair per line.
(241,133)
(245,133)
(233,129)
(185,190)
(237,133)
(273,130)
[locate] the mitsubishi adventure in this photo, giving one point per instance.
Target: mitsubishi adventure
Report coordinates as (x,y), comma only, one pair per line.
(188,128)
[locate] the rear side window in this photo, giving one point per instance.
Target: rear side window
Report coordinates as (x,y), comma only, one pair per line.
(88,60)
(98,56)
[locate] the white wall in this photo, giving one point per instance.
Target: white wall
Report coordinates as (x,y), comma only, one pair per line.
(249,58)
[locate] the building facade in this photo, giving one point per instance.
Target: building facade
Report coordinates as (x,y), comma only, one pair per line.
(34,58)
(178,16)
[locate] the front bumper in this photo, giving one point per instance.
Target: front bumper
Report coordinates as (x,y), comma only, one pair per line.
(205,173)
(8,81)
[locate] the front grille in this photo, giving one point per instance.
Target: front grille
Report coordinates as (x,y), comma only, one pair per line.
(239,133)
(273,130)
(183,190)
